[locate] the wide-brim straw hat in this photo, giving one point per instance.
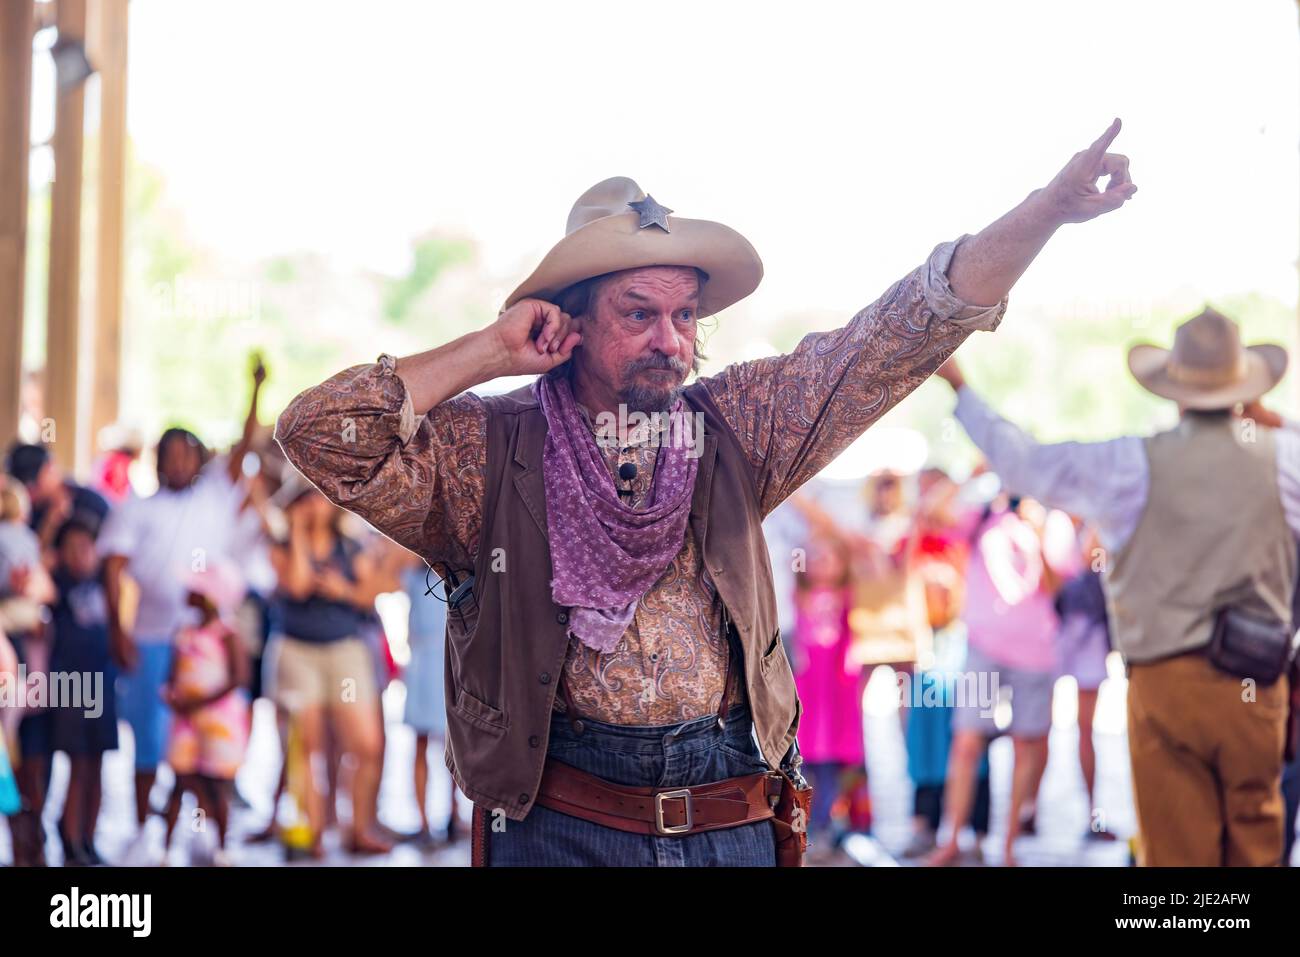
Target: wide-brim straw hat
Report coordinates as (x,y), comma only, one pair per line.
(615,225)
(1208,367)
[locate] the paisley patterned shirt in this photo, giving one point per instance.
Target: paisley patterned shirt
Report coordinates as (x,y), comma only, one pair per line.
(422,481)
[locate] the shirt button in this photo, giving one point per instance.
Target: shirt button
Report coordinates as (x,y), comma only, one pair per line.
(534,741)
(544,677)
(562,618)
(523,799)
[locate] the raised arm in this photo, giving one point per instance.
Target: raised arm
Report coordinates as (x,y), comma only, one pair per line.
(986,266)
(292,562)
(235,465)
(531,337)
(400,442)
(1102,482)
(795,413)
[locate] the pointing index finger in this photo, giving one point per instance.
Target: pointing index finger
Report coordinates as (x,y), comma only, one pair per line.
(1098,148)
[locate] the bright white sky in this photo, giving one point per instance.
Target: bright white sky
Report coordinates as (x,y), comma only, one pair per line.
(842,140)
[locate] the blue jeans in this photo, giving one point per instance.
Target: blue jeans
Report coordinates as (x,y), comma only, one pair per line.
(680,755)
(141,706)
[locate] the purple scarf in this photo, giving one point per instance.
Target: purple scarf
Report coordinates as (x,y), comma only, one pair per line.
(605,554)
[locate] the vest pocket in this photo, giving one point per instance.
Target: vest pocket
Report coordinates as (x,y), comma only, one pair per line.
(775,651)
(479,714)
(776,702)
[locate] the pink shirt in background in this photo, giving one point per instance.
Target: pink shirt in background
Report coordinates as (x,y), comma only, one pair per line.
(1009,615)
(830,729)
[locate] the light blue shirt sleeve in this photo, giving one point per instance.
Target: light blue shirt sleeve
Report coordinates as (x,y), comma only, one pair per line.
(1104,483)
(1287,444)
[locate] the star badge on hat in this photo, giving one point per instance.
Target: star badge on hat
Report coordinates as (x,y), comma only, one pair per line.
(652,214)
(602,235)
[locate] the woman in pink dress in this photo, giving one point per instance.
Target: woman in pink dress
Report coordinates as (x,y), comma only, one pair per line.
(830,689)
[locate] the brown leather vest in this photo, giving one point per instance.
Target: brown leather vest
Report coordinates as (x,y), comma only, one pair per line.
(503,664)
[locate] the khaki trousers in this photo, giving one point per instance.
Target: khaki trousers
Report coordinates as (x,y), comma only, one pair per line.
(1207,765)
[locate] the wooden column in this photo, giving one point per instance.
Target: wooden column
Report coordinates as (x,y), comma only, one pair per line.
(108,45)
(15,145)
(62,323)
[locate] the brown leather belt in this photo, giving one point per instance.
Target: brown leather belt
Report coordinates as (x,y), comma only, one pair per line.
(659,811)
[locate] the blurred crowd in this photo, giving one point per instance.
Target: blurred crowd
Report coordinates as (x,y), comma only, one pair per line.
(948,584)
(237,580)
(168,615)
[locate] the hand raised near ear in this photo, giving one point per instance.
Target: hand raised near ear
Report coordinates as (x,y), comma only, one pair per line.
(534,336)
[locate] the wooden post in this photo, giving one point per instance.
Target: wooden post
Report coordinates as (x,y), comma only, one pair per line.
(108,47)
(62,324)
(15,146)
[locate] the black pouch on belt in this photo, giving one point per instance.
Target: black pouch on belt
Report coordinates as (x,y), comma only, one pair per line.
(1249,645)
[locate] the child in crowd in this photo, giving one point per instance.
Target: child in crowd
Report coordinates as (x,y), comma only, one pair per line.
(830,731)
(24,587)
(10,800)
(83,730)
(210,671)
(1083,641)
(426,709)
(940,562)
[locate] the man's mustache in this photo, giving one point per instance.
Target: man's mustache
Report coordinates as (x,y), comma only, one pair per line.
(667,363)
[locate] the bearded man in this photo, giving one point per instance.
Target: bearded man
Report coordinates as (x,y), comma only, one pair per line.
(617,688)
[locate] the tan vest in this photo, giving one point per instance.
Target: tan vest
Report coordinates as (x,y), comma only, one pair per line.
(1213,533)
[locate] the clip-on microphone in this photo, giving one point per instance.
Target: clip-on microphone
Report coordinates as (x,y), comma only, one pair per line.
(626,472)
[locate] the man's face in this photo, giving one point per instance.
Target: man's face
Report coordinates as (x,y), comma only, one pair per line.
(638,340)
(77,552)
(179,464)
(888,494)
(313,509)
(49,481)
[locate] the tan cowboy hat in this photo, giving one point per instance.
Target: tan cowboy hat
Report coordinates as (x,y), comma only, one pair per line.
(1208,368)
(615,225)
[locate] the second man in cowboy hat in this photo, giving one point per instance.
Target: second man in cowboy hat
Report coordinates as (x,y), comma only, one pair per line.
(1195,523)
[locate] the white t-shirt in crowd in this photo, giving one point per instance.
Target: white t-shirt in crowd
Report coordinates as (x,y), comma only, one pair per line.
(19,548)
(254,549)
(167,535)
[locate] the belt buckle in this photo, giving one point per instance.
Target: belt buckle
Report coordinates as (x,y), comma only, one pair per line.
(685,795)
